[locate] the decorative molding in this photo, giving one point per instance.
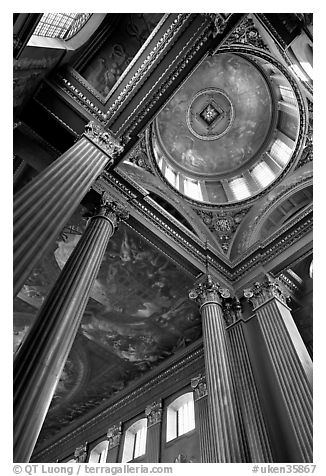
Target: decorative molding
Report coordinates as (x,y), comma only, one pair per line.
(209,291)
(222,223)
(81,98)
(218,22)
(138,156)
(114,434)
(149,61)
(198,384)
(105,140)
(81,453)
(261,292)
(246,33)
(307,153)
(153,413)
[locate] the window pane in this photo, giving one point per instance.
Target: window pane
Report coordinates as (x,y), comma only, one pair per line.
(263,174)
(239,188)
(280,152)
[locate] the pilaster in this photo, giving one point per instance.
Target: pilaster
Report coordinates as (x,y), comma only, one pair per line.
(154,430)
(114,435)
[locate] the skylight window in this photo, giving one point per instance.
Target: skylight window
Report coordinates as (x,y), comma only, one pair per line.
(263,174)
(239,188)
(280,152)
(61,25)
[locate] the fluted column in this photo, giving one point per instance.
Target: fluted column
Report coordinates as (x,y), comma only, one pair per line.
(223,412)
(43,206)
(206,440)
(154,426)
(40,359)
(255,427)
(114,438)
(291,368)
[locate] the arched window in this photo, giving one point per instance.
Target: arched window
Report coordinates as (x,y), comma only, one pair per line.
(180,416)
(135,441)
(99,453)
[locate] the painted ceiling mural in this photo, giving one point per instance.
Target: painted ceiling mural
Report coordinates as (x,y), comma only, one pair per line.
(138,314)
(115,55)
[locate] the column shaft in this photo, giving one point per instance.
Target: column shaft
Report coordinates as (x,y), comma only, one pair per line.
(291,375)
(222,404)
(43,206)
(42,356)
(255,427)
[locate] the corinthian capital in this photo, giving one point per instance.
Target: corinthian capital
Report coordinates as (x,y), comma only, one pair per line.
(112,210)
(81,453)
(198,384)
(104,139)
(153,413)
(263,291)
(209,290)
(114,435)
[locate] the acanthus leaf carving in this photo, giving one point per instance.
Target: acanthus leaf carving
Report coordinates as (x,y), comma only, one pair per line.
(114,435)
(104,139)
(153,413)
(261,292)
(198,384)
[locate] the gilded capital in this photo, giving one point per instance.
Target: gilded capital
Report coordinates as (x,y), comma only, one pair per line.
(261,292)
(81,453)
(198,384)
(209,291)
(153,413)
(104,139)
(113,210)
(114,435)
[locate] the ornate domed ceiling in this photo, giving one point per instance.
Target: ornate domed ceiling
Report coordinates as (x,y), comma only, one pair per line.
(214,141)
(219,119)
